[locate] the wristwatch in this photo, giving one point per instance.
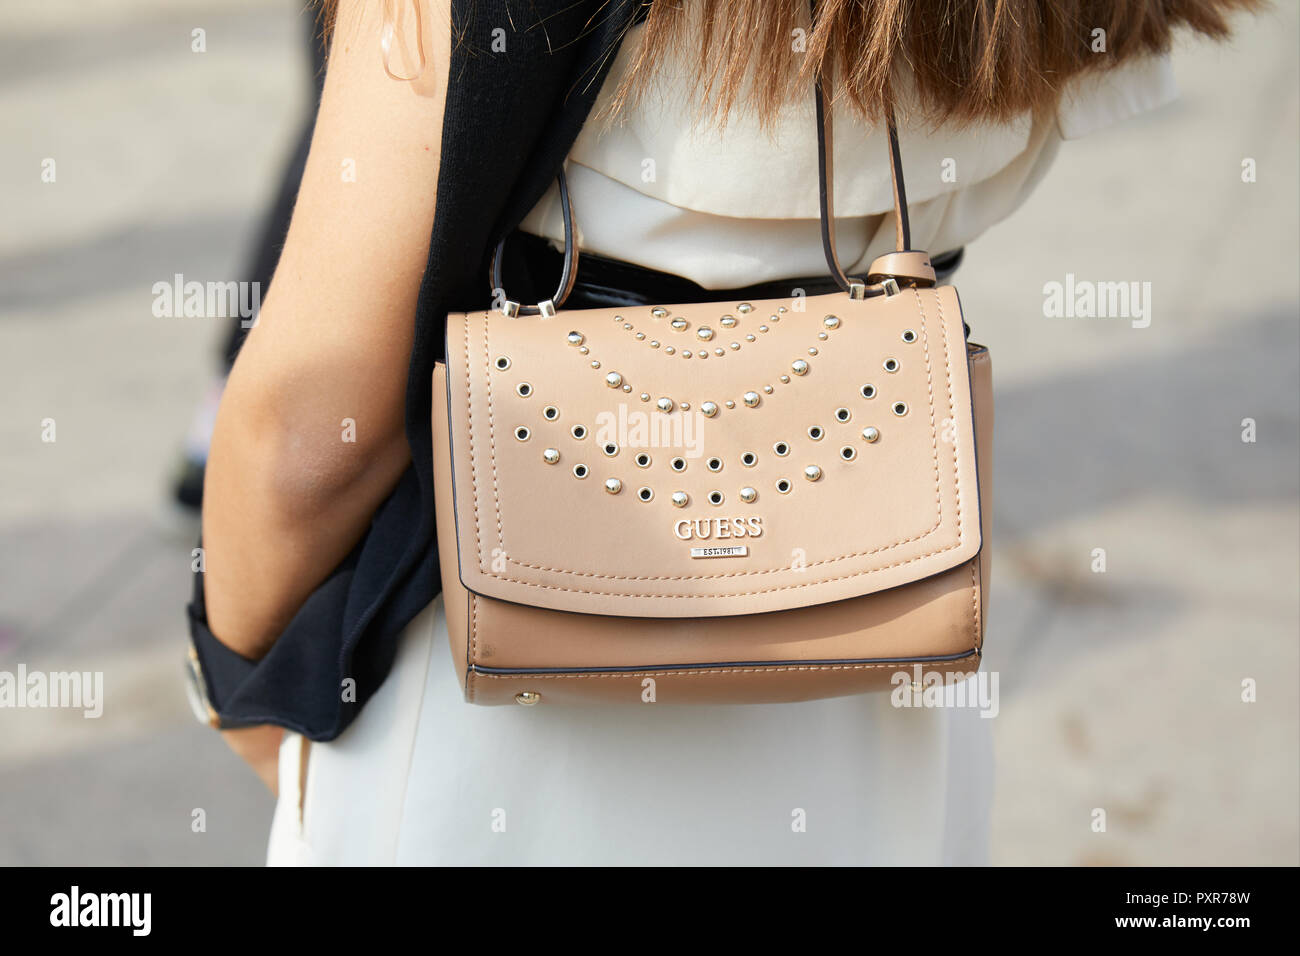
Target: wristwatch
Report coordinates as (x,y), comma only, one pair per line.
(196,689)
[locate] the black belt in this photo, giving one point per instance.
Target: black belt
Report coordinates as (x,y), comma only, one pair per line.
(604,282)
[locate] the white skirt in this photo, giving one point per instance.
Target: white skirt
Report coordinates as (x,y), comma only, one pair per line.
(420,777)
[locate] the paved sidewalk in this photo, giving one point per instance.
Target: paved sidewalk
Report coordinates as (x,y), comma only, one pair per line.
(1120,690)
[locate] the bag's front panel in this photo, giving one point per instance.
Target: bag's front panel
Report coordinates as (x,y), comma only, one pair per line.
(712,460)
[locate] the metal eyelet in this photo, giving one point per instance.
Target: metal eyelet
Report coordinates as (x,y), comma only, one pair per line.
(908,336)
(503,362)
(523,389)
(900,409)
(522,433)
(890,365)
(642,460)
(578,431)
(716,498)
(580,471)
(610,449)
(749,459)
(645,493)
(848,453)
(868,391)
(677,464)
(783,485)
(815,433)
(780,449)
(550,413)
(714,464)
(842,414)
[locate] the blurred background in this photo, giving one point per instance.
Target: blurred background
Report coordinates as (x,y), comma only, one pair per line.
(1120,690)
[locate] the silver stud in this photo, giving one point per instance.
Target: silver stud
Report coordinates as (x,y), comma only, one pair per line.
(812,351)
(583,350)
(528,698)
(658,312)
(681,499)
(686,353)
(751,337)
(767,389)
(575,338)
(751,399)
(640,336)
(665,404)
(823,336)
(709,409)
(595,365)
(654,343)
(669,350)
(719,351)
(812,473)
(799,367)
(729,403)
(551,456)
(704,333)
(727,321)
(613,380)
(626,387)
(748,495)
(762,328)
(645,396)
(831,321)
(680,324)
(613,485)
(908,336)
(785,379)
(744,308)
(627,326)
(685,406)
(503,362)
(871,433)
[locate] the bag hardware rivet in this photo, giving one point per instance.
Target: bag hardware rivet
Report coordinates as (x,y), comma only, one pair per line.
(749,459)
(643,460)
(812,351)
(900,409)
(528,698)
(729,403)
(783,485)
(799,367)
(595,365)
(748,495)
(781,449)
(654,343)
(578,431)
(762,328)
(665,404)
(744,308)
(848,453)
(767,389)
(842,414)
(716,498)
(727,321)
(687,353)
(735,346)
(890,365)
(523,389)
(503,362)
(627,388)
(751,337)
(680,324)
(583,350)
(575,338)
(546,309)
(610,449)
(751,399)
(680,499)
(868,391)
(627,326)
(645,396)
(871,433)
(908,336)
(704,333)
(812,473)
(522,433)
(658,312)
(613,485)
(719,351)
(815,432)
(831,321)
(685,406)
(645,493)
(580,471)
(550,413)
(669,350)
(613,380)
(551,456)
(640,336)
(822,336)
(785,379)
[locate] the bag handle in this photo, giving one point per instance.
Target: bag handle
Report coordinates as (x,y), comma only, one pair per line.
(885,276)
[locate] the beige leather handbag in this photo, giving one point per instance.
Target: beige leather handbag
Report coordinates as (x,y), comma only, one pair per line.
(735,502)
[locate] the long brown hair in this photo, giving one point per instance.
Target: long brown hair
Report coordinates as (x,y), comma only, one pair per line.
(964,60)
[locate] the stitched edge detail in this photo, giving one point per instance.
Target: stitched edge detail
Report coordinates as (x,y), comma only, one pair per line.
(709,672)
(737,574)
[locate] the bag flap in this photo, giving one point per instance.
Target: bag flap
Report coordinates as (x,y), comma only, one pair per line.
(807,456)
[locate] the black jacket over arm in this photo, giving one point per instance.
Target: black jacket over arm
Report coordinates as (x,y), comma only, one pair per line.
(510,120)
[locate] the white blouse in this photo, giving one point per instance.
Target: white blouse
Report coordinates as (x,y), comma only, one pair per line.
(728,208)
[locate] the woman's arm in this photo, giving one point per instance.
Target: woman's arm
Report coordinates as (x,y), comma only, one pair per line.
(288,492)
